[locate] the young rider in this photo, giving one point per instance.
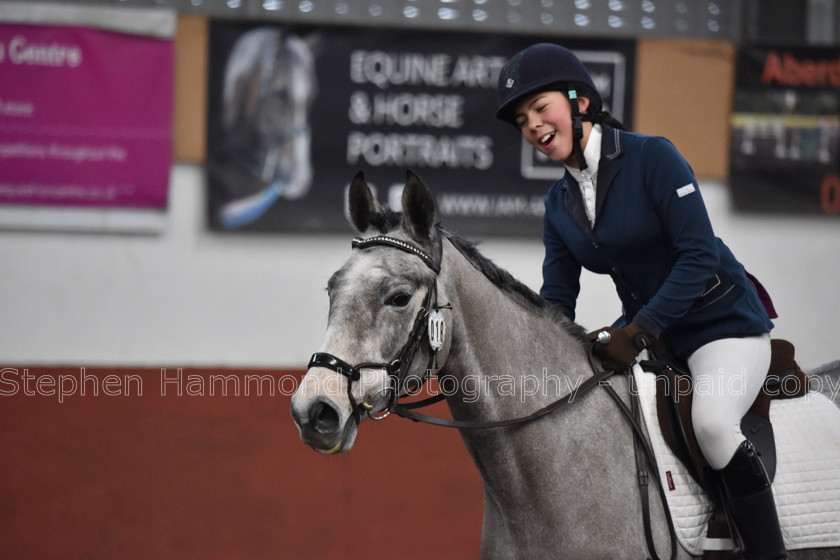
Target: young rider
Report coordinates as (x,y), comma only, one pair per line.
(630,206)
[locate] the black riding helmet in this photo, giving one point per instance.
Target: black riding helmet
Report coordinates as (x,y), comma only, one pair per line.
(548,67)
(543,67)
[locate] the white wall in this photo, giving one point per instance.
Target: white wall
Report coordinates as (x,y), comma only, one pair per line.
(190,297)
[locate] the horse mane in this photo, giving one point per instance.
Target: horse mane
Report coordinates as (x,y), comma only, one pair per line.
(386,220)
(503,280)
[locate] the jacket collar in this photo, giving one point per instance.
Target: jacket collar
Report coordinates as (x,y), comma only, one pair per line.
(612,147)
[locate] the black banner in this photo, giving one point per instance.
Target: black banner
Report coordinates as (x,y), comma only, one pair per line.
(785,133)
(295,112)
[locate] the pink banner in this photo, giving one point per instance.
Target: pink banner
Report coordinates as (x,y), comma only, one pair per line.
(85,117)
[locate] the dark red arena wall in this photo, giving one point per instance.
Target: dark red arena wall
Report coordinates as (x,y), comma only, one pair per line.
(125,467)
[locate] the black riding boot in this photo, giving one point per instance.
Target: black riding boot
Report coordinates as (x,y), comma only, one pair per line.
(749,503)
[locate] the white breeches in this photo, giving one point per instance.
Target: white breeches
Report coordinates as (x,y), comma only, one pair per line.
(728,375)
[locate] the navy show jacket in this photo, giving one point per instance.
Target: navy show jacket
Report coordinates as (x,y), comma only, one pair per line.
(652,235)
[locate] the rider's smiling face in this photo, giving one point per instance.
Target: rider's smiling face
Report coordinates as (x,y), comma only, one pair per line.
(545,121)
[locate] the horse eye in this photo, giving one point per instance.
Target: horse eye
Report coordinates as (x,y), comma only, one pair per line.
(399,299)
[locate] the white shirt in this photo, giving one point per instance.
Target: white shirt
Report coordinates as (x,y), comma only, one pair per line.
(588,178)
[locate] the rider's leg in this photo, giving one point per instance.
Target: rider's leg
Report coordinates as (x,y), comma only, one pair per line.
(728,374)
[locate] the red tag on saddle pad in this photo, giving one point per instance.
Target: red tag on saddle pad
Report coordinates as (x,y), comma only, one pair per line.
(670,478)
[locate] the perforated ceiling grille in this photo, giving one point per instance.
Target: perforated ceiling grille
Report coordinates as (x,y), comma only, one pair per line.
(619,18)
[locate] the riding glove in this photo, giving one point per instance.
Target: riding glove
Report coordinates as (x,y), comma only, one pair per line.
(619,351)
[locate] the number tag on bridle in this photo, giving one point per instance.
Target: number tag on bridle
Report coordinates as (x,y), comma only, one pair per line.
(437,330)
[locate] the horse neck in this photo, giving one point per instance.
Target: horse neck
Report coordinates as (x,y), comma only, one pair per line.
(538,474)
(518,356)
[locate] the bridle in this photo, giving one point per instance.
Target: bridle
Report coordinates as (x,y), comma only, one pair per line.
(428,321)
(425,322)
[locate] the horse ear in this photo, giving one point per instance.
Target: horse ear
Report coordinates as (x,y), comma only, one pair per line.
(314,43)
(361,203)
(418,206)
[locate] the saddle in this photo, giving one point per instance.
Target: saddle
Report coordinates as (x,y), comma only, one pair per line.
(785,379)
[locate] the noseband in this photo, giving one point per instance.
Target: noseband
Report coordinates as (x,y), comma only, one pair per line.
(398,367)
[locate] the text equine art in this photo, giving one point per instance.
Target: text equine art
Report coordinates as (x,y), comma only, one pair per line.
(563,483)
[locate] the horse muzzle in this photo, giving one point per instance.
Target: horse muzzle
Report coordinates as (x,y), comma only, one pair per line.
(323,427)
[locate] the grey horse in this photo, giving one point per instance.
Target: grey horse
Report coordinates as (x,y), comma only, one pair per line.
(562,486)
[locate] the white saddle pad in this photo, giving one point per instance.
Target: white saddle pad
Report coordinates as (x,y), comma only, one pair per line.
(807,482)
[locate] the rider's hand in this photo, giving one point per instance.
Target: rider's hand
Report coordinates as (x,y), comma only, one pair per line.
(623,346)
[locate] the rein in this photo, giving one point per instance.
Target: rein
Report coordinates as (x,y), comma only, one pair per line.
(289,133)
(407,410)
(423,324)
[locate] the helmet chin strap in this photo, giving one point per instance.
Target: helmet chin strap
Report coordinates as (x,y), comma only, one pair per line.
(577,130)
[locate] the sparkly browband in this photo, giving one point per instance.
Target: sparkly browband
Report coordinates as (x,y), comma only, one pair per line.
(364,243)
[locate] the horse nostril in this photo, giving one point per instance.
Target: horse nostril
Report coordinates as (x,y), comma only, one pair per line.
(323,418)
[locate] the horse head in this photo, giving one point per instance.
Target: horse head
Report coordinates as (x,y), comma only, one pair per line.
(378,343)
(270,83)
